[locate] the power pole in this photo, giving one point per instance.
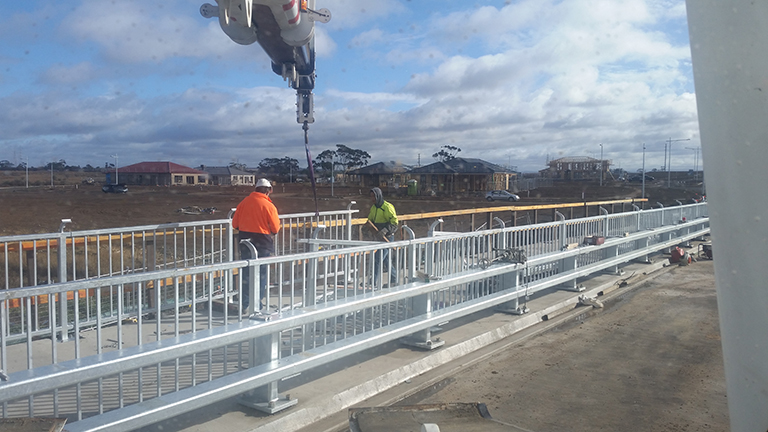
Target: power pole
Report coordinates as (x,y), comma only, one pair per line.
(669,159)
(601,164)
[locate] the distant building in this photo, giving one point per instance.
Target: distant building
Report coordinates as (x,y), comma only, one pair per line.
(159,174)
(462,175)
(383,175)
(228,176)
(576,168)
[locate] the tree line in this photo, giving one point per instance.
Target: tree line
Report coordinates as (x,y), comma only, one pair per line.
(60,165)
(343,159)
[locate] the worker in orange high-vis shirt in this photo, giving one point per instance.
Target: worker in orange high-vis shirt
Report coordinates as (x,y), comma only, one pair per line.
(256,219)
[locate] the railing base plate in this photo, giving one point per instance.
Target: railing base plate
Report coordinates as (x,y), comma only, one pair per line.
(571,287)
(428,345)
(513,311)
(268,407)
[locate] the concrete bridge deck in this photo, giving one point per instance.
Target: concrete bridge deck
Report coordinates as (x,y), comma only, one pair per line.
(649,360)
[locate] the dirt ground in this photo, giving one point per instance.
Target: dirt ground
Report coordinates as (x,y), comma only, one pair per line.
(619,370)
(39,209)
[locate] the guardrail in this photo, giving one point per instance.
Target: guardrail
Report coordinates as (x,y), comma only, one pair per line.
(193,346)
(36,259)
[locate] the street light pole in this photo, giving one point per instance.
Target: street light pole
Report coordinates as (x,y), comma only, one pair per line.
(601,164)
(695,162)
(669,159)
(27,167)
(116,178)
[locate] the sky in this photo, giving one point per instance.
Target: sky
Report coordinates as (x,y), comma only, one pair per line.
(515,83)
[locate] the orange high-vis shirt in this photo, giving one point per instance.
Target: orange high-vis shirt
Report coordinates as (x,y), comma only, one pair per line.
(256,214)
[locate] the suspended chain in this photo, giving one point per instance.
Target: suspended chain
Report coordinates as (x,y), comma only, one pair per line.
(309,164)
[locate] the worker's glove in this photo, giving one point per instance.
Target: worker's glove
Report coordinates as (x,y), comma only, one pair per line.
(389,230)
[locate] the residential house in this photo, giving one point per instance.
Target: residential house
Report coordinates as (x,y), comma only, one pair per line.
(228,176)
(461,175)
(576,168)
(159,174)
(384,175)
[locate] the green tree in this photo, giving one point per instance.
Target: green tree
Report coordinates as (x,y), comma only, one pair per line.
(61,165)
(446,153)
(324,163)
(350,158)
(280,169)
(6,164)
(238,165)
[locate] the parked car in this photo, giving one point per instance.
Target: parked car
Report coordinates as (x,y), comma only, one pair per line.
(115,188)
(639,178)
(501,195)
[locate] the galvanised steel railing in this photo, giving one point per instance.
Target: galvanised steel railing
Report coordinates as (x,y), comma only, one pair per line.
(38,259)
(322,305)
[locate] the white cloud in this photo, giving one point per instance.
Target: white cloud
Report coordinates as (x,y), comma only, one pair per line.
(368,38)
(325,46)
(355,13)
(515,82)
(71,75)
(148,31)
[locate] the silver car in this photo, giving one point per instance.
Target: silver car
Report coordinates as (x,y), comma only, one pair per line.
(501,195)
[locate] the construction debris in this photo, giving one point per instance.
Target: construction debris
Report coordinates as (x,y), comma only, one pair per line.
(195,210)
(594,302)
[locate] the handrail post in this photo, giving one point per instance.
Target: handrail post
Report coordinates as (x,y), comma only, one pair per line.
(264,350)
(422,304)
(349,219)
(431,232)
(500,222)
(604,212)
(62,252)
(254,277)
(230,281)
(661,206)
(563,241)
(411,260)
(310,295)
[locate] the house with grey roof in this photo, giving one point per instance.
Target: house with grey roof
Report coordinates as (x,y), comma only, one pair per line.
(159,174)
(228,176)
(575,168)
(460,175)
(384,175)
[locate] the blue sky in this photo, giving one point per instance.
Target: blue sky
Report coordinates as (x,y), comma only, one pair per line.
(511,82)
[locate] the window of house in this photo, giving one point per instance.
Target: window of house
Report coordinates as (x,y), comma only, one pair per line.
(177,179)
(190,180)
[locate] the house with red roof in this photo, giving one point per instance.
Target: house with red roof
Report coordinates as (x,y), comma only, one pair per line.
(158,174)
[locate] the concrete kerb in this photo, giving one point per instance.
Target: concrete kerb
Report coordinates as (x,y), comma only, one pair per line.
(396,373)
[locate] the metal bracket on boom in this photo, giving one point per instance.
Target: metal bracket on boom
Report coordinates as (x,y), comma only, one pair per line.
(323,15)
(304,107)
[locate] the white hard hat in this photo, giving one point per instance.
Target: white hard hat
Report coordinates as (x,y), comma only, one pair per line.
(262,182)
